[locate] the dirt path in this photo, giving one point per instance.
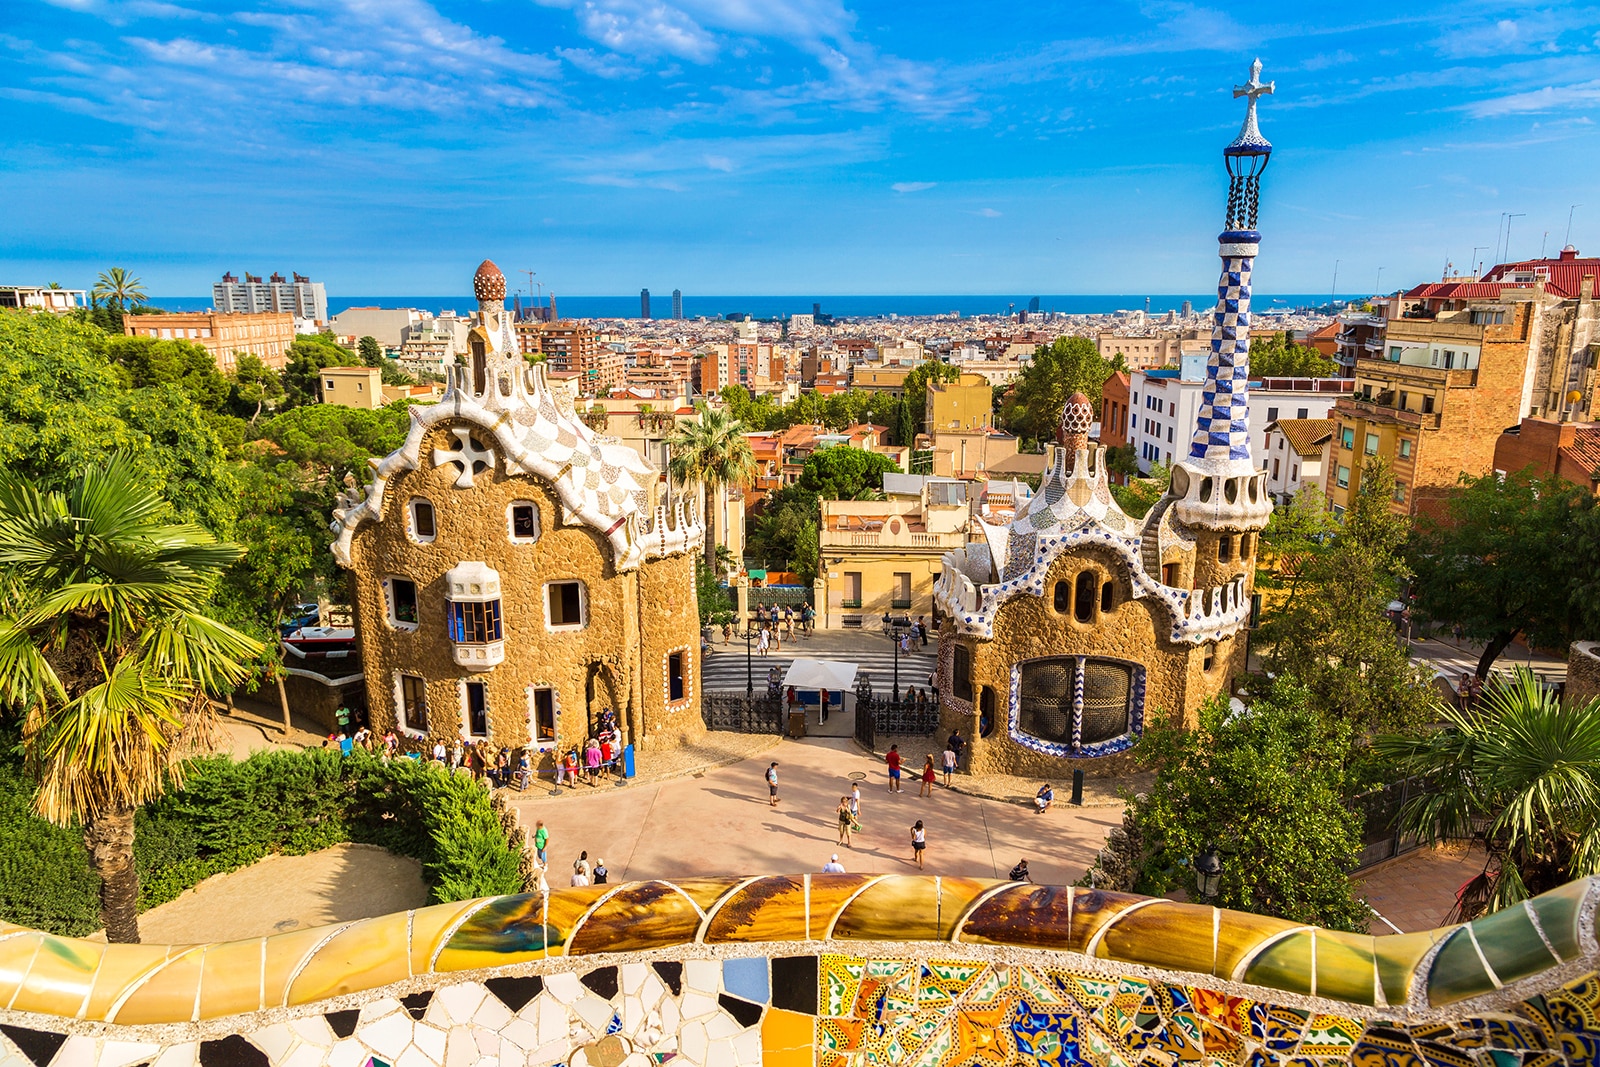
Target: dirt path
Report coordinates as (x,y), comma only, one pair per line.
(288,893)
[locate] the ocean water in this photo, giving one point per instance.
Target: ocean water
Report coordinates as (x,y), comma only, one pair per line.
(768,307)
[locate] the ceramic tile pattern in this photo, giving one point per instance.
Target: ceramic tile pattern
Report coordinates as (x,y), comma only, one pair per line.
(762,971)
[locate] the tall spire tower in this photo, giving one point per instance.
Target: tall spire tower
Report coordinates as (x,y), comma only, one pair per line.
(1217,484)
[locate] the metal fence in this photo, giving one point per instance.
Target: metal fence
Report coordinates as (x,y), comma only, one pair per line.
(893,718)
(1382,838)
(736,713)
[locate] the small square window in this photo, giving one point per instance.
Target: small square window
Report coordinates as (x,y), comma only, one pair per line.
(1372,444)
(1405,449)
(422,524)
(1272,414)
(1399,492)
(402,602)
(564,602)
(1347,437)
(1301,413)
(522,520)
(1344,478)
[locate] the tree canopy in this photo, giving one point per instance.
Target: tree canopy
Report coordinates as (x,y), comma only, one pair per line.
(1499,562)
(1273,355)
(1237,783)
(1032,409)
(308,355)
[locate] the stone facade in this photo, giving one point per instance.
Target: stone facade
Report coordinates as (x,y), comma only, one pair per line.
(503,564)
(1583,671)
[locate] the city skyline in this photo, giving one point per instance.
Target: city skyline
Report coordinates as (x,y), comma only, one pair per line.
(810,147)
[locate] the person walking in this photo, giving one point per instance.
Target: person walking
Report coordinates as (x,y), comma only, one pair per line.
(842,812)
(591,761)
(772,785)
(927,778)
(919,842)
(777,638)
(763,641)
(600,873)
(833,866)
(922,624)
(580,869)
(855,803)
(956,743)
(893,760)
(541,838)
(949,765)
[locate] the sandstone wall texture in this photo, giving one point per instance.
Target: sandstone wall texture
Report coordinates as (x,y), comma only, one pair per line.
(1583,671)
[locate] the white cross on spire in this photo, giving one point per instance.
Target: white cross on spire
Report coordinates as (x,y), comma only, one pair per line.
(1254,87)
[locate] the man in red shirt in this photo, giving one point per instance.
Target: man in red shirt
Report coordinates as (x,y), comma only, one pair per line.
(893,760)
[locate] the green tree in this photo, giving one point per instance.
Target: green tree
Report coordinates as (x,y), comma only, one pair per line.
(1294,536)
(64,407)
(371,351)
(308,355)
(1263,787)
(1140,494)
(785,536)
(333,440)
(118,289)
(1032,410)
(252,386)
(146,361)
(1339,643)
(845,473)
(715,455)
(1273,355)
(1497,562)
(715,606)
(104,652)
(1519,772)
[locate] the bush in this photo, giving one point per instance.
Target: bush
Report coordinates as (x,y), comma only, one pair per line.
(232,814)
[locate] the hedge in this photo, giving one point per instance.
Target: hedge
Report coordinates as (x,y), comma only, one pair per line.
(232,814)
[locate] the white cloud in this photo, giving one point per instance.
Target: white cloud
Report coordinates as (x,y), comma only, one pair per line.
(912,187)
(987,213)
(1549,98)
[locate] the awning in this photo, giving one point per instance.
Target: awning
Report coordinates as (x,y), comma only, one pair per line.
(820,674)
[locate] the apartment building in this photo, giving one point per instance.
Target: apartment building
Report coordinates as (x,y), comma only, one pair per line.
(1165,404)
(883,556)
(389,326)
(266,335)
(966,404)
(1150,351)
(42,298)
(1461,362)
(302,297)
(571,347)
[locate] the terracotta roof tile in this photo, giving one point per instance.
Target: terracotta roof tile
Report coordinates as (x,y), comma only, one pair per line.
(1305,436)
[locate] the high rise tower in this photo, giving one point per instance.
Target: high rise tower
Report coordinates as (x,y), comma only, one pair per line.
(1217,486)
(644,303)
(677,303)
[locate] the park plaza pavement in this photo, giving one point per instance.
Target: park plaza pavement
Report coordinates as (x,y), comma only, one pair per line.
(720,823)
(724,667)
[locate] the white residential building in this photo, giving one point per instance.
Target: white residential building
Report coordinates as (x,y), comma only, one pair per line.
(42,297)
(1294,456)
(302,297)
(1164,406)
(392,327)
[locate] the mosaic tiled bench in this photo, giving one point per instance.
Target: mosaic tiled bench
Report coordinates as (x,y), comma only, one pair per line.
(820,969)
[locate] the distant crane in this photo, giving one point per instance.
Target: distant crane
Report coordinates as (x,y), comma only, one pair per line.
(530,275)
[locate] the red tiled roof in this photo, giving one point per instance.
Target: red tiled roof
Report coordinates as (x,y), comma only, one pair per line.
(1585,449)
(1562,277)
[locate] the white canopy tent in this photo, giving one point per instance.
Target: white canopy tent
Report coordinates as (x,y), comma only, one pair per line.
(821,674)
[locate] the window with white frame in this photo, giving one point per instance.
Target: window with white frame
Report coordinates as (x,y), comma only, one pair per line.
(565,605)
(400,600)
(522,522)
(423,527)
(677,676)
(475,709)
(541,714)
(411,703)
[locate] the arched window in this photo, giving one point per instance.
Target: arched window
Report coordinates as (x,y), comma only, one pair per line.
(423,528)
(961,673)
(1063,597)
(1084,595)
(1078,706)
(1108,596)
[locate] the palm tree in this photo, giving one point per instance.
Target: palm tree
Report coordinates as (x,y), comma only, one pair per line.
(715,454)
(1519,772)
(106,658)
(118,289)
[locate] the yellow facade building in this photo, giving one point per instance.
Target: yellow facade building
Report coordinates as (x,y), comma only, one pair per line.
(963,405)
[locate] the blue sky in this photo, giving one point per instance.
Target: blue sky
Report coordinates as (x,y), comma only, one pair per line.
(782,146)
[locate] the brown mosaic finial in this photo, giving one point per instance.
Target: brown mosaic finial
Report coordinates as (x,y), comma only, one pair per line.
(1073,432)
(489,284)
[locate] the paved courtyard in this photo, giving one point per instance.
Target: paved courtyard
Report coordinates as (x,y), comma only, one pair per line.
(720,823)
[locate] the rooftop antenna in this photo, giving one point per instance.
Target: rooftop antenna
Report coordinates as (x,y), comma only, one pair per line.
(1333,292)
(1570,210)
(1377,286)
(1509,217)
(1499,228)
(1543,241)
(1477,270)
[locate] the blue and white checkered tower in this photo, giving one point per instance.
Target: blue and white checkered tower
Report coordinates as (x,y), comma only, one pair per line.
(1217,482)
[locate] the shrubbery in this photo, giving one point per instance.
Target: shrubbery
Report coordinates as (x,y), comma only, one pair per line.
(229,815)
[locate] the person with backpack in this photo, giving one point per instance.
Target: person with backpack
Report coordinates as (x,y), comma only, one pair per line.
(772,784)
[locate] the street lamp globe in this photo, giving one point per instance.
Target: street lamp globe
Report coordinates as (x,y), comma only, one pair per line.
(1208,873)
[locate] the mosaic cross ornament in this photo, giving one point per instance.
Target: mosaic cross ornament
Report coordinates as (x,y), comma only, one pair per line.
(465,454)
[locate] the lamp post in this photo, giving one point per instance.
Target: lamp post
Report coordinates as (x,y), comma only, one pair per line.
(888,628)
(1208,872)
(749,669)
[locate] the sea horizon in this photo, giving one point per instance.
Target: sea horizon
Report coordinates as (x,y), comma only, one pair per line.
(839,306)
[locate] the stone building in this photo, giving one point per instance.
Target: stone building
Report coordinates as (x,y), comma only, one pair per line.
(504,559)
(1069,628)
(267,334)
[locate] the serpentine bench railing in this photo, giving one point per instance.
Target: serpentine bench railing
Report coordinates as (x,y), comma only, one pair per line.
(877,952)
